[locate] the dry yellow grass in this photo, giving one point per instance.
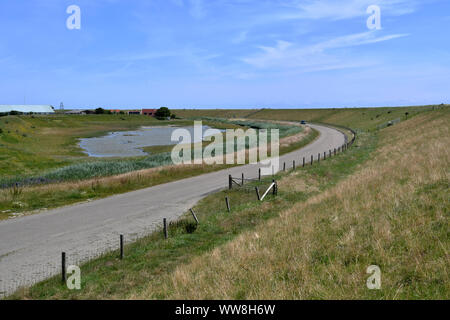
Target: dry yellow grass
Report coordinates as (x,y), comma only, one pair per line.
(298,181)
(393,212)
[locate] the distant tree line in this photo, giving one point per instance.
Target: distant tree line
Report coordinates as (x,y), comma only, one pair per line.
(162,113)
(13,113)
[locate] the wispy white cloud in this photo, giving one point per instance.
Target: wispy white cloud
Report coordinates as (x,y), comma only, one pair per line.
(288,55)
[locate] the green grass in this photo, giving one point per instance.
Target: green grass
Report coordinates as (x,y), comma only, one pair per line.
(362,118)
(93,169)
(149,257)
(215,113)
(284,130)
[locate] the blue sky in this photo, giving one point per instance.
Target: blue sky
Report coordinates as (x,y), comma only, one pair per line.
(225,53)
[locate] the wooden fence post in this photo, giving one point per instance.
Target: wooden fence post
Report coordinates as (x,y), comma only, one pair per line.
(334,151)
(312,159)
(293,164)
(227,201)
(284,166)
(121,247)
(259,174)
(193,214)
(303,162)
(166,232)
(324,155)
(318,157)
(230,182)
(243,179)
(63,267)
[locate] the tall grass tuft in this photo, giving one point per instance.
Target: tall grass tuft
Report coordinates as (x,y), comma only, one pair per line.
(15,191)
(91,169)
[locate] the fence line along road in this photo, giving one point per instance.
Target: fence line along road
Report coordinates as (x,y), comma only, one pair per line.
(31,246)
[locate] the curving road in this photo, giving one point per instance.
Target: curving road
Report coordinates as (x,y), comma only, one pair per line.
(31,246)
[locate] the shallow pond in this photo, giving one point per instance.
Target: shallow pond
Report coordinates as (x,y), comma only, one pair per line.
(129,143)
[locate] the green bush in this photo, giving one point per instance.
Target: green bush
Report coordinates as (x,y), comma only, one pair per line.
(162,113)
(191,227)
(182,226)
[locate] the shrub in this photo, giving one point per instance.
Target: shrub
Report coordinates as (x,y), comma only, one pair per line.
(191,227)
(182,226)
(162,113)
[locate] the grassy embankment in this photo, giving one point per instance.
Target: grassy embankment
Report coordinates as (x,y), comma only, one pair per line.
(361,118)
(392,212)
(383,202)
(88,180)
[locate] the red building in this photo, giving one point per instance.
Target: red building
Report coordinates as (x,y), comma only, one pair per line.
(149,112)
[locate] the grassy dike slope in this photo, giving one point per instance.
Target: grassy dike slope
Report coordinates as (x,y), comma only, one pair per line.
(393,212)
(361,118)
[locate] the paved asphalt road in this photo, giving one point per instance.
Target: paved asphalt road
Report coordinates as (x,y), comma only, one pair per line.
(31,246)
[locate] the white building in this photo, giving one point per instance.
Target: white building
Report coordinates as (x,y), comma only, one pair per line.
(44,109)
